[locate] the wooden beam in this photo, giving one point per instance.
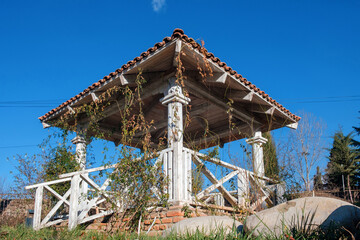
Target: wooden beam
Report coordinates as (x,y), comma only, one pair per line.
(217,77)
(45,125)
(240,113)
(96,187)
(227,165)
(211,188)
(74,202)
(213,180)
(70,109)
(177,52)
(37,208)
(150,106)
(127,79)
(265,109)
(94,97)
(239,95)
(218,134)
(293,125)
(199,109)
(56,207)
(93,201)
(65,179)
(152,89)
(58,196)
(105,213)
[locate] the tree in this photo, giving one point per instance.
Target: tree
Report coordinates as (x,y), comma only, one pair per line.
(318,183)
(46,165)
(270,157)
(355,142)
(306,147)
(344,160)
(28,171)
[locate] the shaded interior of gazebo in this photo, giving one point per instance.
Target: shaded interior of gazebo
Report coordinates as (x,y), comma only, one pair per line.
(211,85)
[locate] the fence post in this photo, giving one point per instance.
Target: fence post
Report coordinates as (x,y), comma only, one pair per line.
(74,202)
(37,208)
(243,188)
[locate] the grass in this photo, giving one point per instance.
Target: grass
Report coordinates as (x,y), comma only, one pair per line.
(22,232)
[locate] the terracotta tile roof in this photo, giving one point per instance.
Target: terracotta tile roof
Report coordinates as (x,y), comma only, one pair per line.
(179,34)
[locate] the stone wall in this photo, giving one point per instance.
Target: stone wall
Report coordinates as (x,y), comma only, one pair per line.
(14,211)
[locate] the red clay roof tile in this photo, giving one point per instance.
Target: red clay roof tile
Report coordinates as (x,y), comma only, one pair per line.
(178,33)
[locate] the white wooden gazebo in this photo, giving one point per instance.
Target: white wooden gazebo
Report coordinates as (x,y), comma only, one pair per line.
(209,85)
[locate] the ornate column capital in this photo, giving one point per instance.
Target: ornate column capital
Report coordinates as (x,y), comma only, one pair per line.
(257,139)
(174,94)
(78,139)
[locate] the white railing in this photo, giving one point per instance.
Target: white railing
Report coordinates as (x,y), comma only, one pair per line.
(245,179)
(79,204)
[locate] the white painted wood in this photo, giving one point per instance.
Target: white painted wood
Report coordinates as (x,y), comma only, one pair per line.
(45,125)
(80,157)
(227,165)
(177,52)
(58,196)
(260,186)
(49,224)
(219,200)
(65,179)
(217,68)
(127,79)
(56,207)
(175,100)
(249,96)
(70,109)
(93,202)
(239,95)
(211,188)
(257,153)
(293,125)
(95,186)
(243,188)
(170,177)
(217,77)
(213,180)
(266,109)
(94,97)
(37,208)
(189,175)
(105,213)
(74,202)
(69,175)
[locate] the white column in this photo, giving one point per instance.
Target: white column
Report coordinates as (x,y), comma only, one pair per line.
(179,192)
(80,157)
(257,153)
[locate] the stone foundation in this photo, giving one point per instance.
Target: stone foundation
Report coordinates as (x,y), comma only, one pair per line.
(163,218)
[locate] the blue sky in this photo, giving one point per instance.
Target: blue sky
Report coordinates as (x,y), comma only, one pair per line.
(305,54)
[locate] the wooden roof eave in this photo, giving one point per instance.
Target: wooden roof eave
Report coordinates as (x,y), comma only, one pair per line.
(223,77)
(122,78)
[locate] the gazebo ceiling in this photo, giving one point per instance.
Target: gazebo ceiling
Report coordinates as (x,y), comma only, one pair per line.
(211,86)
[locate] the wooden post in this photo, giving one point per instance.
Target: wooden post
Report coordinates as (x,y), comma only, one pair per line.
(179,192)
(74,202)
(257,153)
(80,157)
(37,208)
(243,188)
